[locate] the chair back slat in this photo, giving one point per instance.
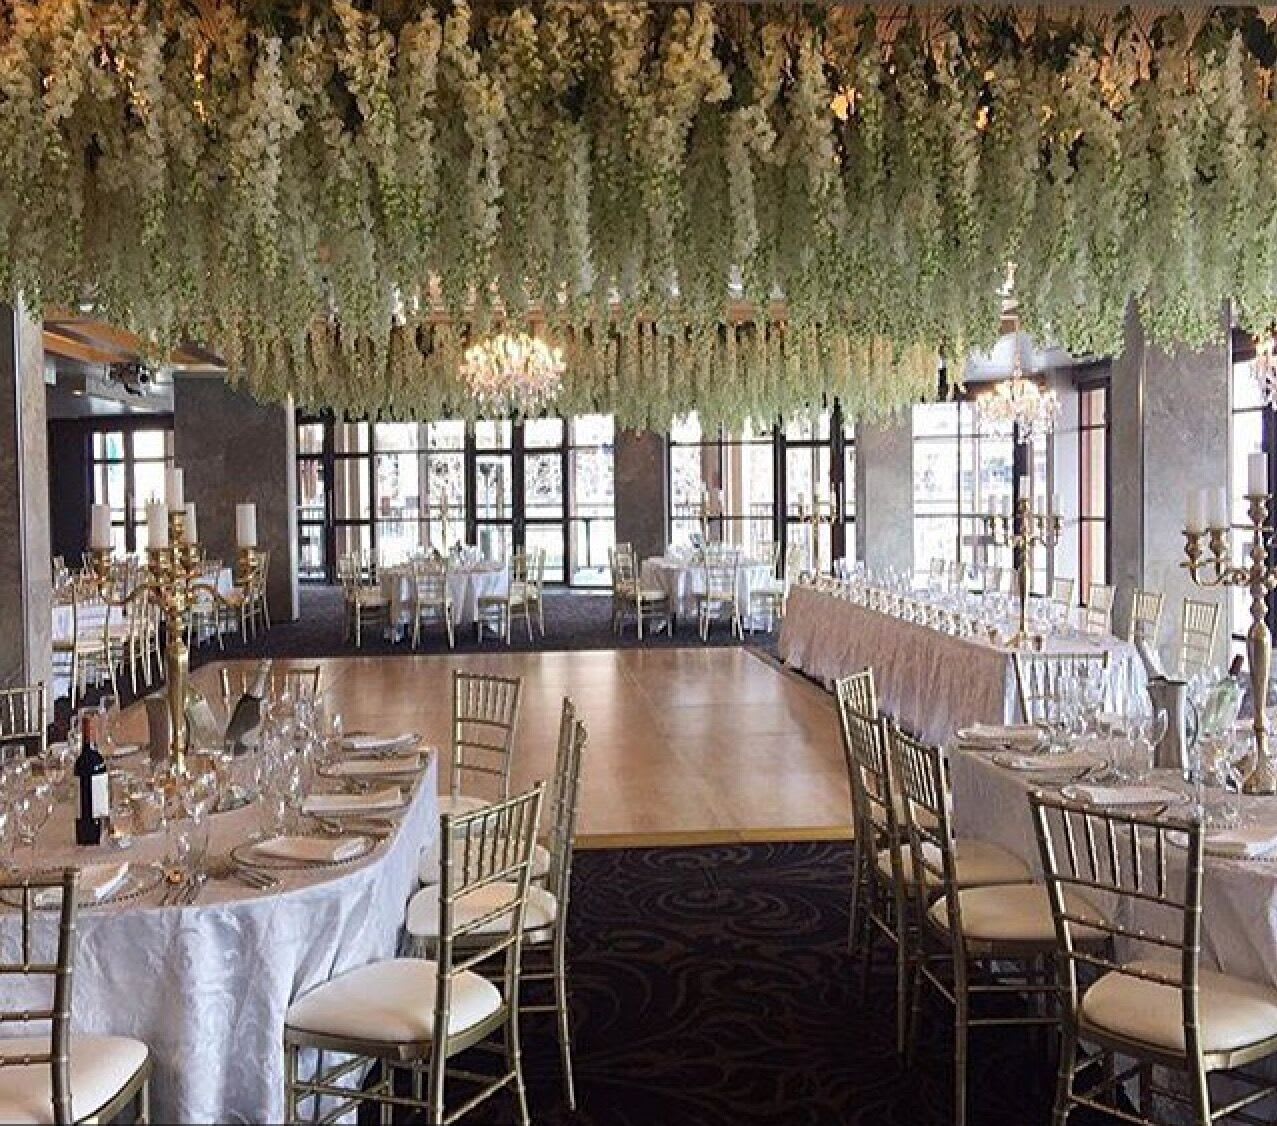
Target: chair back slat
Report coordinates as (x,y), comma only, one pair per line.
(485,714)
(857,702)
(1098,619)
(564,801)
(24,719)
(1062,591)
(1199,628)
(1146,615)
(1040,678)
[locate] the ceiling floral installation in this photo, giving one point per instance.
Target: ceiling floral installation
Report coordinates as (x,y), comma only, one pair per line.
(730,207)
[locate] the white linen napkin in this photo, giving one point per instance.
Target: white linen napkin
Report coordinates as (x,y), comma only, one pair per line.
(372,767)
(321,805)
(1246,842)
(1066,760)
(119,750)
(97,881)
(372,742)
(312,850)
(1126,795)
(1020,735)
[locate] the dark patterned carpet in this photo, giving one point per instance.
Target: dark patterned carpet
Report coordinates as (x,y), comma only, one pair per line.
(711,987)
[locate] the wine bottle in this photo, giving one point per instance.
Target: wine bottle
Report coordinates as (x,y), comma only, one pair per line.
(1224,703)
(247,716)
(94,787)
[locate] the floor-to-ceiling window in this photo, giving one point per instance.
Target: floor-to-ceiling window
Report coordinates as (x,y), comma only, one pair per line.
(392,489)
(794,484)
(128,470)
(1248,423)
(1093,447)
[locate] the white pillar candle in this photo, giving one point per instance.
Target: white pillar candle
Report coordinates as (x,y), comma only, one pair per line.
(100,527)
(1217,510)
(1006,506)
(192,533)
(1039,505)
(157,524)
(246,525)
(1257,475)
(1195,515)
(174,489)
(1026,487)
(1055,504)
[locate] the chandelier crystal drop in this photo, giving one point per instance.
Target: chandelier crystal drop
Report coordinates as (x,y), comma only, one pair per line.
(1019,403)
(513,373)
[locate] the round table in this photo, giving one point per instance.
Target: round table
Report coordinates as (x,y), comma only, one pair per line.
(682,579)
(206,987)
(466,584)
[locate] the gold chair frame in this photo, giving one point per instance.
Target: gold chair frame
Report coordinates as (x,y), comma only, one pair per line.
(24,720)
(86,651)
(857,701)
(720,572)
(1037,677)
(135,1092)
(1134,860)
(485,718)
(630,596)
(362,601)
(1098,618)
(492,845)
(431,598)
(1062,591)
(1199,632)
(1146,616)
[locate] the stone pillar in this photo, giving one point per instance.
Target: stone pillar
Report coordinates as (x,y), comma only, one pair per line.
(640,491)
(884,494)
(26,581)
(235,449)
(1169,431)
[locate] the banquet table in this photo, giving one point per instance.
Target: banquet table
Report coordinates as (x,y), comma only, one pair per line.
(682,579)
(933,682)
(1239,910)
(207,986)
(466,584)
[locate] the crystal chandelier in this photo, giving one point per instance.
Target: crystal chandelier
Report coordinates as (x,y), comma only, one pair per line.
(1264,368)
(513,373)
(1019,403)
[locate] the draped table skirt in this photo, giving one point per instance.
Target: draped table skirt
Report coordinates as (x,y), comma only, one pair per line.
(465,585)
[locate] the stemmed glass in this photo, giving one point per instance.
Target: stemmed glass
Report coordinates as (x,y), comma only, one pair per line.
(34,808)
(106,706)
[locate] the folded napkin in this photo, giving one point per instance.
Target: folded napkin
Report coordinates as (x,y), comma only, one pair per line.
(1066,760)
(1127,795)
(373,767)
(313,850)
(1247,842)
(321,805)
(97,881)
(1023,735)
(119,750)
(379,742)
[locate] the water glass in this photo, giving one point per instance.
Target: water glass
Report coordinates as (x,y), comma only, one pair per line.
(106,734)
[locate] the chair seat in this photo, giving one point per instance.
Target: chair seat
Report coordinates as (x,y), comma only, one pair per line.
(1234,1013)
(367,599)
(101,1068)
(391,1002)
(423,909)
(979,864)
(460,803)
(1012,915)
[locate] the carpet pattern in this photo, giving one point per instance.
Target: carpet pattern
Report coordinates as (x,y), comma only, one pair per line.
(711,987)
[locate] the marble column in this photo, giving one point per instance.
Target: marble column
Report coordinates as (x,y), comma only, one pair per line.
(884,494)
(235,449)
(1169,423)
(640,491)
(26,583)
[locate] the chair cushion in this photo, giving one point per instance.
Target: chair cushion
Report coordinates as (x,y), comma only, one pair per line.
(540,862)
(423,909)
(1012,914)
(979,864)
(460,803)
(1234,1013)
(391,1002)
(101,1067)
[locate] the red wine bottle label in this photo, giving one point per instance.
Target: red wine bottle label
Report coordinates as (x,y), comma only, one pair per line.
(100,798)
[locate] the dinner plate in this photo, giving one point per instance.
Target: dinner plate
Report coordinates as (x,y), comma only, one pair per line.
(387,811)
(1046,764)
(1075,793)
(139,880)
(246,853)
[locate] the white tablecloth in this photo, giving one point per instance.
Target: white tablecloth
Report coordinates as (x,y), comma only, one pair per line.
(1239,912)
(932,682)
(466,585)
(207,986)
(682,580)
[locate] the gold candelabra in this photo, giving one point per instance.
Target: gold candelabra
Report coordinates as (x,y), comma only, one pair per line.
(1258,577)
(1022,533)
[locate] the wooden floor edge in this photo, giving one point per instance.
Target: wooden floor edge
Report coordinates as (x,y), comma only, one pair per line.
(697,837)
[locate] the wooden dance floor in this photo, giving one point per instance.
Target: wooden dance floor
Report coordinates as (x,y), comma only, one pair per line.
(685,744)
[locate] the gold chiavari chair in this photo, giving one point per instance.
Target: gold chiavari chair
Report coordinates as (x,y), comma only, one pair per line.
(534,591)
(1038,678)
(767,596)
(995,940)
(431,599)
(1098,619)
(936,571)
(260,592)
(86,651)
(545,924)
(720,573)
(364,602)
(1199,628)
(1146,615)
(59,1076)
(24,721)
(857,699)
(302,682)
(1159,1008)
(630,596)
(485,718)
(1062,592)
(499,609)
(414,1014)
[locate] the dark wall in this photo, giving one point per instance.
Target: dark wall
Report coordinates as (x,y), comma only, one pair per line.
(70,488)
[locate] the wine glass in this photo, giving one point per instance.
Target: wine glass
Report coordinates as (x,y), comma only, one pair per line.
(106,734)
(34,808)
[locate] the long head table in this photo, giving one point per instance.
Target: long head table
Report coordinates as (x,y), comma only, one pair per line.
(933,682)
(207,986)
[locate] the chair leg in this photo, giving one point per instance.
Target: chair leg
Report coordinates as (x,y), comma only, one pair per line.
(638,613)
(527,617)
(565,1030)
(142,1107)
(1064,1081)
(960,1033)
